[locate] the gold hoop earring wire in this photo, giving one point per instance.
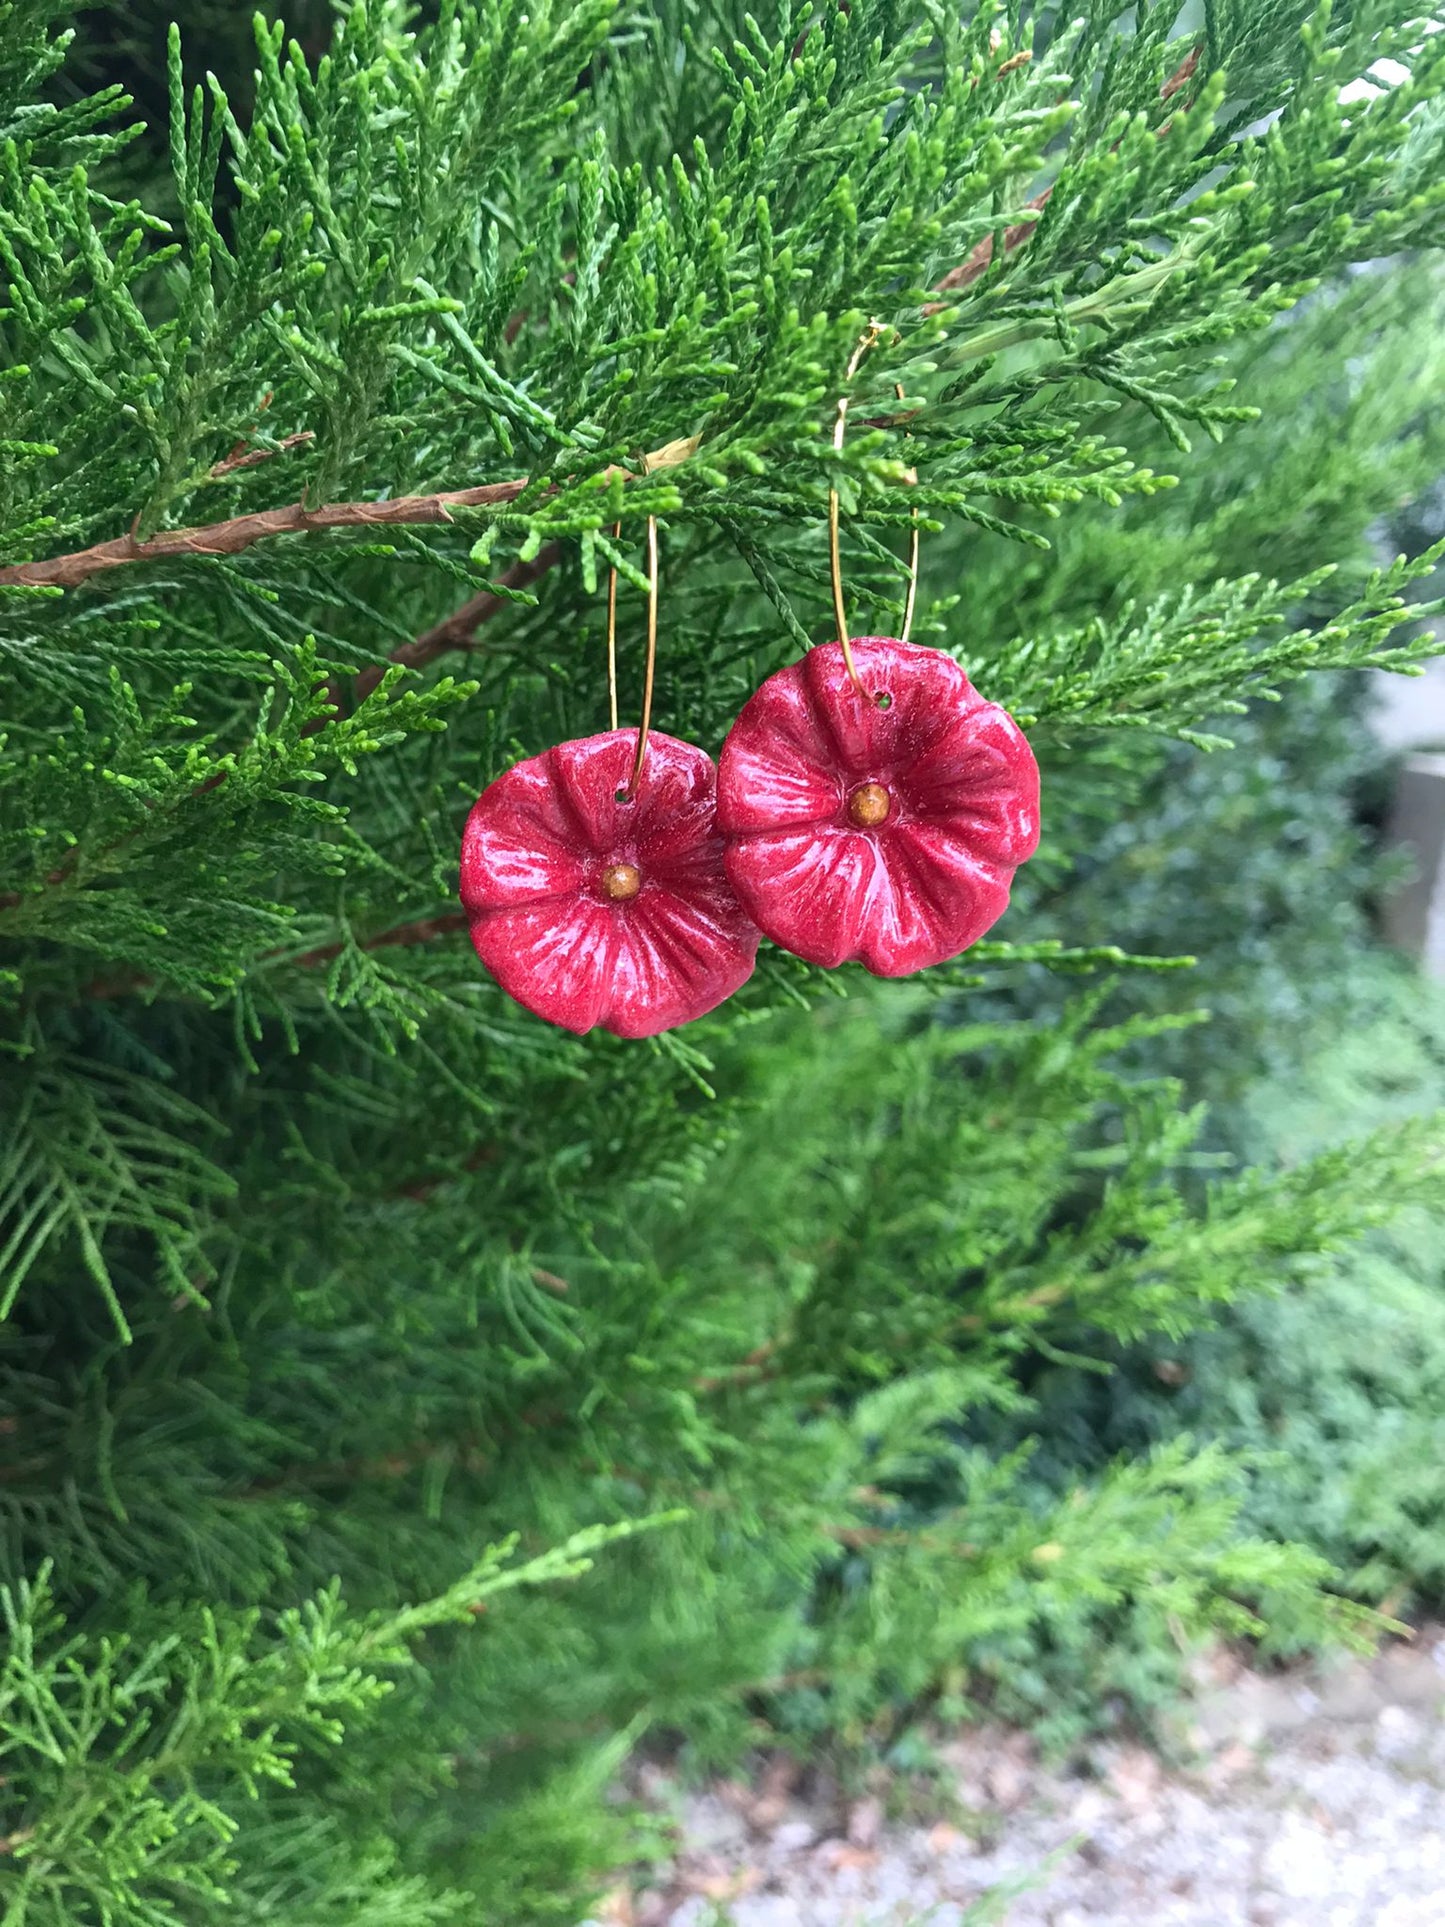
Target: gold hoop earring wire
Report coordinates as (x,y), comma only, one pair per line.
(650,676)
(912,598)
(612,633)
(835,561)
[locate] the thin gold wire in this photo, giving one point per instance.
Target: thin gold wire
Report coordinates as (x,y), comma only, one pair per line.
(835,560)
(912,549)
(646,723)
(612,633)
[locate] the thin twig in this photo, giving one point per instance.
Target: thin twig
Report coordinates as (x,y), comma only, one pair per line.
(967,272)
(400,936)
(242,531)
(458,630)
(1182,74)
(243,457)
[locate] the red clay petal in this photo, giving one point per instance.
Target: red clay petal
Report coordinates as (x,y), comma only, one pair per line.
(675,962)
(783,764)
(946,894)
(811,890)
(928,880)
(674,804)
(557,960)
(587,774)
(896,902)
(926,693)
(981,779)
(806,736)
(697,877)
(520,844)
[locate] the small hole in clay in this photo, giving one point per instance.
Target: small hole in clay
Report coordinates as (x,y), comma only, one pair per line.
(883,699)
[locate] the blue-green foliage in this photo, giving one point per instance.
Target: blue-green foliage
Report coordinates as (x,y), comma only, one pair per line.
(325,1267)
(1333,1392)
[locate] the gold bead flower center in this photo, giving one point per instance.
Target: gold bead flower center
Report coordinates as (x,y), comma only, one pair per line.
(869,805)
(621,881)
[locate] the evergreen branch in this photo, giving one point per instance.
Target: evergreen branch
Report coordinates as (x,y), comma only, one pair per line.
(812,1283)
(237,533)
(453,632)
(465,1451)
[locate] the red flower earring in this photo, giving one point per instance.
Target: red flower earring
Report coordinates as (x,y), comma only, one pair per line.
(594,881)
(882,830)
(874,806)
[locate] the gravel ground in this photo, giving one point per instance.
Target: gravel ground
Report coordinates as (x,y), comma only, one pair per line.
(1310,1798)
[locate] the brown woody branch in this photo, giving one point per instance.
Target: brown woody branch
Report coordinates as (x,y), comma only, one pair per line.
(424,930)
(1182,74)
(242,531)
(967,272)
(457,630)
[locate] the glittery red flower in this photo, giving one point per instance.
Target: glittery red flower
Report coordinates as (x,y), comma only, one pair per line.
(592,909)
(886,830)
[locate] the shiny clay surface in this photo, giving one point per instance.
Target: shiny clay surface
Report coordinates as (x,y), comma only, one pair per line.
(963,791)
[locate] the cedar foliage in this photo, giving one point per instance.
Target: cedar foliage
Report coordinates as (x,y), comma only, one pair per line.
(326,1270)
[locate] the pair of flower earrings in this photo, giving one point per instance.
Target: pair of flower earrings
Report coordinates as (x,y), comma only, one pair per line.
(868,805)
